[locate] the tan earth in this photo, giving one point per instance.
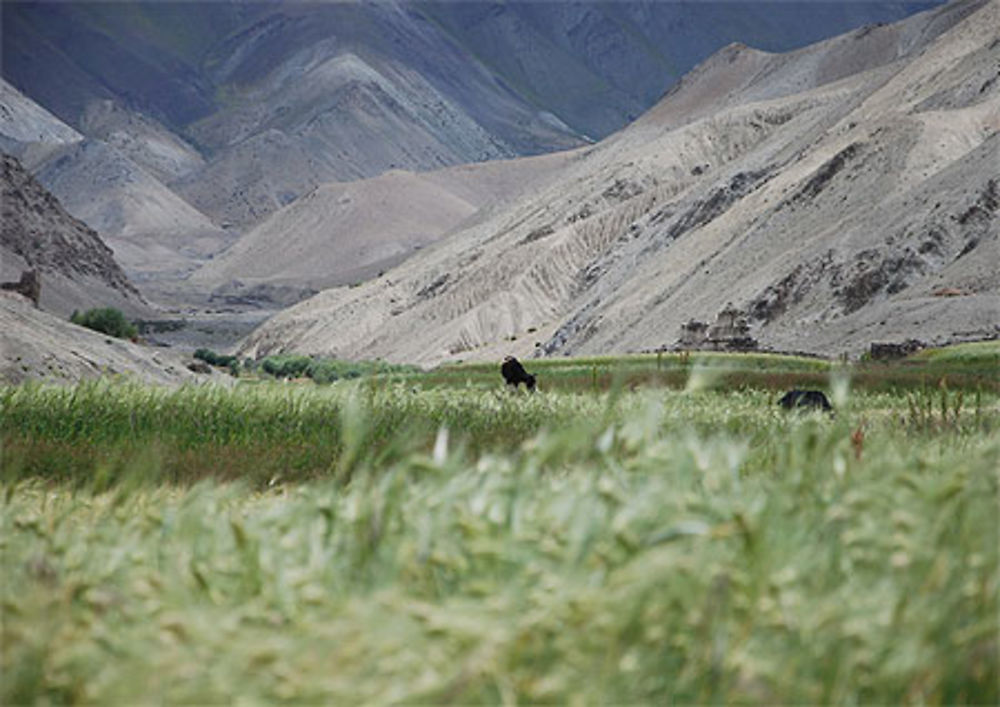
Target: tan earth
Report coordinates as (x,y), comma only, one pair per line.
(345,232)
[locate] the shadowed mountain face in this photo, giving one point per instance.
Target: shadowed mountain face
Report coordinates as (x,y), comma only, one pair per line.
(598,65)
(840,194)
(77,269)
(594,65)
(271,99)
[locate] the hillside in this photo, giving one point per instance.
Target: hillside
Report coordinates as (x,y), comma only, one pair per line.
(143,140)
(24,123)
(40,346)
(77,269)
(77,272)
(345,232)
(839,194)
(153,232)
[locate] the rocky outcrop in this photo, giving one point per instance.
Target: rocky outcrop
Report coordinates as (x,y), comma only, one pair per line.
(29,286)
(693,335)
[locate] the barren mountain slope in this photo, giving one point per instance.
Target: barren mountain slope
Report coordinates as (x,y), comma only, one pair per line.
(835,193)
(145,141)
(341,233)
(337,234)
(153,232)
(314,95)
(345,117)
(77,269)
(26,126)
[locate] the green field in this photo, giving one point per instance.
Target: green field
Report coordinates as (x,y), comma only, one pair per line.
(647,529)
(967,366)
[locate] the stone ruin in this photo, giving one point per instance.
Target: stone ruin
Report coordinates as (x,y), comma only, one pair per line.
(731,332)
(30,285)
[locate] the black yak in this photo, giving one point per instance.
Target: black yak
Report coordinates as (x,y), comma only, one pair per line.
(513,372)
(806,399)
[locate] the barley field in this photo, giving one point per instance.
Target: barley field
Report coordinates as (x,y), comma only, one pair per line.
(644,530)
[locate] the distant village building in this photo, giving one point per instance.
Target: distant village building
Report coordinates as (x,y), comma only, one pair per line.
(693,335)
(731,332)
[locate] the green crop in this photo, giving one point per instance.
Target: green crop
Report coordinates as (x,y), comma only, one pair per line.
(409,540)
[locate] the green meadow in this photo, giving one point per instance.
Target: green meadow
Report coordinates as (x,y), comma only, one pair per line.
(645,529)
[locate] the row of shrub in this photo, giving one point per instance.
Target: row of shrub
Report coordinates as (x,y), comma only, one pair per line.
(324,370)
(288,366)
(219,360)
(111,321)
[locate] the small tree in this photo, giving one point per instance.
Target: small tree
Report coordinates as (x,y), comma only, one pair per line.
(106,320)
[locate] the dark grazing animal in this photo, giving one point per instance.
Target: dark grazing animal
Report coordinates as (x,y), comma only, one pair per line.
(805,399)
(513,372)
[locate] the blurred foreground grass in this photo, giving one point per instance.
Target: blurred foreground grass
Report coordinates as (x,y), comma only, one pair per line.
(382,543)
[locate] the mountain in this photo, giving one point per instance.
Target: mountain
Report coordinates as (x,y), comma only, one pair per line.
(257,103)
(843,193)
(153,232)
(77,270)
(143,140)
(598,65)
(345,232)
(113,183)
(27,127)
